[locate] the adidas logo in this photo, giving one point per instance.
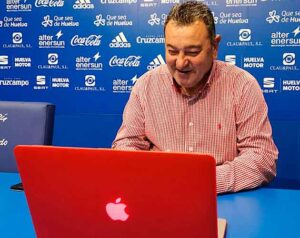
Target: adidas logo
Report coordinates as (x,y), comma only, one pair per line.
(120,41)
(157,61)
(83,4)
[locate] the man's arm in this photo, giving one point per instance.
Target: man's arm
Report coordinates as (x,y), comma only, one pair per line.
(257,153)
(131,135)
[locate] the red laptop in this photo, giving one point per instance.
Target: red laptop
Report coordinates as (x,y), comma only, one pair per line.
(85,193)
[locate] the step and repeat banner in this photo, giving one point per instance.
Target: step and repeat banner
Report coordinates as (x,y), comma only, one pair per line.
(85,55)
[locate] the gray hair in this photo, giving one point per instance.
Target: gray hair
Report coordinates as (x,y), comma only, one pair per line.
(189,12)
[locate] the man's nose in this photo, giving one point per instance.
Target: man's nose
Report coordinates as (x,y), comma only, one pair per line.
(181,61)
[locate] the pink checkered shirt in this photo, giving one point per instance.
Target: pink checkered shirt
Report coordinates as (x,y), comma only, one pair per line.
(228,119)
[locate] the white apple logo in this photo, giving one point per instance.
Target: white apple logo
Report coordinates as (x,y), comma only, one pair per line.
(116,210)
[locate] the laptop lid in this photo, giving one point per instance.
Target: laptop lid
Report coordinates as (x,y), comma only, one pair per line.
(85,192)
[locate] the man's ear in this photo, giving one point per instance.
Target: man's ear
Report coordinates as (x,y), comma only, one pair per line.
(216,45)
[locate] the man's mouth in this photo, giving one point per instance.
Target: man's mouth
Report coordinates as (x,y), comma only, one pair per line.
(183,71)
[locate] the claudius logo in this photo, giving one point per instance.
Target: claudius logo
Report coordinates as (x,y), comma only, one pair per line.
(120,41)
(53,63)
(92,40)
(17,37)
(17,41)
(288,63)
(90,84)
(245,39)
(53,59)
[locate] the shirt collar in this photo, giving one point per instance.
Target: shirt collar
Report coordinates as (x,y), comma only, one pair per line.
(201,91)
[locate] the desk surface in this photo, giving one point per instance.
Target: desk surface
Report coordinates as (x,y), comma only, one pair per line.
(258,213)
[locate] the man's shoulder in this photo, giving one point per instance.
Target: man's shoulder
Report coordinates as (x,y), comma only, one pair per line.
(232,72)
(237,79)
(228,67)
(156,75)
(153,81)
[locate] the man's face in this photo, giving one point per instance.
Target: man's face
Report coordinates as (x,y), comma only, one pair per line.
(189,54)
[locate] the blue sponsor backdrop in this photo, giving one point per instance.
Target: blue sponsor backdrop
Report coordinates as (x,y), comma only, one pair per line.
(85,55)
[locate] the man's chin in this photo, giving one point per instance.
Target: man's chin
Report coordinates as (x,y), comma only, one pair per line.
(182,77)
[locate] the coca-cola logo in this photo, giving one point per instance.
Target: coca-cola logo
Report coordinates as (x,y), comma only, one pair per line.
(92,40)
(49,3)
(130,61)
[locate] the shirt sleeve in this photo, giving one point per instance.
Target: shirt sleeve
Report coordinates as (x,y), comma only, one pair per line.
(131,135)
(255,163)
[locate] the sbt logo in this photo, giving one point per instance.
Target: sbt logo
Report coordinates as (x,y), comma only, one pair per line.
(269,82)
(269,85)
(90,80)
(41,80)
(230,59)
(289,59)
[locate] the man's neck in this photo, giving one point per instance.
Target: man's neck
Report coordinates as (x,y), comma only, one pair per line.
(198,88)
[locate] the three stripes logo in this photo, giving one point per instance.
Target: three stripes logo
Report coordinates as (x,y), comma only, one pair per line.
(120,41)
(157,61)
(83,4)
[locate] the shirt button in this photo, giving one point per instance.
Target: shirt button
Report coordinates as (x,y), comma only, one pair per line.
(191,149)
(191,124)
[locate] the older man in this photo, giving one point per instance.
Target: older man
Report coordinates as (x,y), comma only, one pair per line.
(198,104)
